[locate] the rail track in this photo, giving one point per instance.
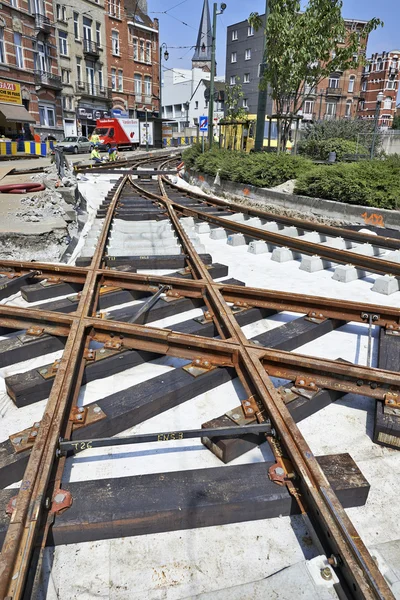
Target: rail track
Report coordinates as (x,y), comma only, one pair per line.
(143,262)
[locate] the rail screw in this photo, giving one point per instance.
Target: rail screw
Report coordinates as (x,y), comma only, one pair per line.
(326,573)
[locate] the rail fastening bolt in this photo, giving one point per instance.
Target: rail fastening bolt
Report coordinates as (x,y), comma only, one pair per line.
(59,498)
(279,471)
(326,573)
(301,382)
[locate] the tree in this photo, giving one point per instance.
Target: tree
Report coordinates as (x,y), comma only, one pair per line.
(302,49)
(396,122)
(233,96)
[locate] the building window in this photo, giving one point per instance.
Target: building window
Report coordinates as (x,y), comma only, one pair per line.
(351,84)
(196,104)
(148,52)
(114,8)
(233,57)
(135,49)
(2,51)
(65,76)
(114,79)
(79,70)
(387,103)
(63,43)
(391,84)
(115,42)
(379,66)
(348,109)
(232,80)
(61,12)
(250,31)
(47,116)
(366,68)
(67,103)
(247,54)
(76,25)
(141,50)
(331,109)
(101,80)
(355,58)
(147,86)
(245,105)
(14,3)
(98,34)
(234,35)
(138,84)
(308,107)
(120,80)
(364,86)
(19,57)
(334,82)
(246,78)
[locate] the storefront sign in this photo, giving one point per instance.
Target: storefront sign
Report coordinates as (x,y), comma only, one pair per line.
(10,92)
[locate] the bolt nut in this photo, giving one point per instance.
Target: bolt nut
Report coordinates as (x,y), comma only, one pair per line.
(81,409)
(33,433)
(43,371)
(97,409)
(326,573)
(59,498)
(279,471)
(79,417)
(301,382)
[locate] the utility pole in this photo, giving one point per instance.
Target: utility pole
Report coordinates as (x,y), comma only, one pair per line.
(262,95)
(166,56)
(211,101)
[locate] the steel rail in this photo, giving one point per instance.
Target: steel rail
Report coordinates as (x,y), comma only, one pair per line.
(329,230)
(21,534)
(362,576)
(246,297)
(366,263)
(235,350)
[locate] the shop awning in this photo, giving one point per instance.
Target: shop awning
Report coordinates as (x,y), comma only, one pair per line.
(16,113)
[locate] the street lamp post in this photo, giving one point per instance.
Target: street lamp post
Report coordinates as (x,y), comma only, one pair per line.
(147,132)
(166,57)
(379,100)
(211,102)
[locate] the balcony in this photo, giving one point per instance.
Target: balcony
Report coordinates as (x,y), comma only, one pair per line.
(91,49)
(48,80)
(309,91)
(92,91)
(333,91)
(309,116)
(42,23)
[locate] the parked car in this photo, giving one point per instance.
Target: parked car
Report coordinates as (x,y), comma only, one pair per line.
(75,144)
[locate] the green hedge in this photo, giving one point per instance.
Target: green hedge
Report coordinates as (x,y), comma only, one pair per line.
(370,183)
(259,169)
(320,149)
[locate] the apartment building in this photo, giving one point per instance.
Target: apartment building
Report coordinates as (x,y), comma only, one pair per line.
(133,58)
(335,97)
(30,84)
(244,54)
(380,76)
(82,50)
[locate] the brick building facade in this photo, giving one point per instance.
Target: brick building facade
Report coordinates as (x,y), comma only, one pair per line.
(338,95)
(133,58)
(380,75)
(29,63)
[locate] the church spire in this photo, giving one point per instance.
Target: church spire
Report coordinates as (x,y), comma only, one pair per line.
(202,55)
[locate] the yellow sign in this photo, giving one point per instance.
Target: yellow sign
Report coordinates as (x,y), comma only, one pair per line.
(10,92)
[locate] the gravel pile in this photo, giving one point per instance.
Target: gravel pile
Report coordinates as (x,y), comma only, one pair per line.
(46,204)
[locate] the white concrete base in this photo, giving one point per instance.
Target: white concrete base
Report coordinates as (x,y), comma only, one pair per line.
(202,228)
(313,236)
(187,221)
(291,232)
(366,250)
(393,256)
(347,273)
(258,247)
(218,234)
(387,284)
(271,226)
(339,243)
(284,255)
(236,239)
(312,264)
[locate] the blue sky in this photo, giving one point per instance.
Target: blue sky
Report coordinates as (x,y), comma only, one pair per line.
(179,25)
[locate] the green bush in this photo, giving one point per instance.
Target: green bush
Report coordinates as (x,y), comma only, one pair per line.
(320,149)
(354,130)
(190,154)
(259,169)
(369,183)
